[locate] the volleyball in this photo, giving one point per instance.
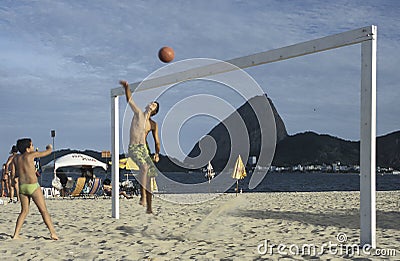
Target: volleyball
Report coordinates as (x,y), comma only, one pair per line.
(166,54)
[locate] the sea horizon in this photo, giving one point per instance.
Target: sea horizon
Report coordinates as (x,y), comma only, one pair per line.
(180,182)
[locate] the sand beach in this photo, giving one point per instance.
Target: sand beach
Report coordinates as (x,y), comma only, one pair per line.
(249,226)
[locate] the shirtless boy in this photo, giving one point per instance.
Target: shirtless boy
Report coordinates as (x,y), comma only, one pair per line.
(22,167)
(140,126)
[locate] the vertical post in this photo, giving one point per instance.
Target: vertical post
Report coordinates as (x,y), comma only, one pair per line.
(53,135)
(115,155)
(368,142)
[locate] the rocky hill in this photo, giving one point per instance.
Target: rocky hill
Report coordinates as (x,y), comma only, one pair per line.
(221,135)
(302,148)
(312,148)
(388,150)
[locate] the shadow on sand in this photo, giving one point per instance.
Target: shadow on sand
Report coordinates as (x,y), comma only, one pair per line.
(385,220)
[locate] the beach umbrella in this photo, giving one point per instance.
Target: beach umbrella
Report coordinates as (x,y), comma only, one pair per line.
(239,172)
(128,164)
(153,185)
(209,174)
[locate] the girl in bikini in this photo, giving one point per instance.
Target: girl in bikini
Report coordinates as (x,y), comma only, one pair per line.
(4,181)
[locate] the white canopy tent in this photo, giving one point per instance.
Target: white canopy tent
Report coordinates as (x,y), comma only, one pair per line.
(76,160)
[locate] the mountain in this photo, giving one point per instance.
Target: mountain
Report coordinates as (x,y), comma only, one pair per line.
(222,138)
(303,148)
(388,150)
(312,148)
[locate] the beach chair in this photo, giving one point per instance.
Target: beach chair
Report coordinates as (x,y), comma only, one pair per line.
(69,185)
(95,188)
(80,183)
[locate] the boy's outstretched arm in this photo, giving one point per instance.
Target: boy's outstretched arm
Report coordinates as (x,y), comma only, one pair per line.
(128,95)
(39,154)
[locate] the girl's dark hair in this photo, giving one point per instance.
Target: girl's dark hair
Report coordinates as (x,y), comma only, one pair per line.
(14,149)
(23,144)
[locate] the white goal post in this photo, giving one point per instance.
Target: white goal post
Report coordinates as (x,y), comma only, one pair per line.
(366,36)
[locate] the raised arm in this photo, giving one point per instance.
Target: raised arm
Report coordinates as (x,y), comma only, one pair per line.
(39,154)
(128,95)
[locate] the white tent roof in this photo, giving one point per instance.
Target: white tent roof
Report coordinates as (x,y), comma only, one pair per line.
(77,160)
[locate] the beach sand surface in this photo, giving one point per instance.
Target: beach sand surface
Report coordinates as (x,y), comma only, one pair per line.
(228,227)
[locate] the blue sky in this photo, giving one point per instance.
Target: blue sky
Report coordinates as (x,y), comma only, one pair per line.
(60,59)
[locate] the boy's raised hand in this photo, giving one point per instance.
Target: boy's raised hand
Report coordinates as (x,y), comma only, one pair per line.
(124,83)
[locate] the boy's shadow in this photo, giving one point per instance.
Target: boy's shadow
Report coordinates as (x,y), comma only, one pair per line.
(4,236)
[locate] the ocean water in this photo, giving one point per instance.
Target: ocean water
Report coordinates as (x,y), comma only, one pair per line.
(273,182)
(293,182)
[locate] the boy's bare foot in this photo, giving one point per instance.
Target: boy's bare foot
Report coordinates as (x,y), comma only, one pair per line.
(54,236)
(16,237)
(142,202)
(149,211)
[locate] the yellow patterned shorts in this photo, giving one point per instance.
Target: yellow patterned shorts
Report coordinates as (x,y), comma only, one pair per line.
(140,155)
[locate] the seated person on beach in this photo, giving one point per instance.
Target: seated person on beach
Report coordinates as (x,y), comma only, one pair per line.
(87,172)
(63,179)
(107,188)
(22,167)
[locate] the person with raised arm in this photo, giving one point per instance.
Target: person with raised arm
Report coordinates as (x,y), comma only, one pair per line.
(141,125)
(22,167)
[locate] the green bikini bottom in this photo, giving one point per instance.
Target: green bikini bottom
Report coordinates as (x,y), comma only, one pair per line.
(28,189)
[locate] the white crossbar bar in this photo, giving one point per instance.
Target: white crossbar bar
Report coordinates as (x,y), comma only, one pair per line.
(284,53)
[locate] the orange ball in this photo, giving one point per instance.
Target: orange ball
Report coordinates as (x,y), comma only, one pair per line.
(166,54)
